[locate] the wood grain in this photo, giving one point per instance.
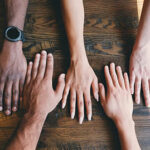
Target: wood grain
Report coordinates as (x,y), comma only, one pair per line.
(110,32)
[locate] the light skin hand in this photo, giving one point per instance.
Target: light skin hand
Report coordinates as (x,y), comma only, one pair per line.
(80,76)
(140,58)
(39,87)
(39,99)
(12,74)
(118,105)
(79,79)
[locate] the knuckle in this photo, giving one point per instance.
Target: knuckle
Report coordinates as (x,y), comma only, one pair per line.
(7,95)
(85,88)
(88,103)
(66,92)
(15,92)
(81,103)
(73,99)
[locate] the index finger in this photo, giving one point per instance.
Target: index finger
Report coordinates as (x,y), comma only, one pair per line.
(108,77)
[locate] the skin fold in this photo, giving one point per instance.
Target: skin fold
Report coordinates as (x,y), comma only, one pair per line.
(12,60)
(80,77)
(140,58)
(39,100)
(118,105)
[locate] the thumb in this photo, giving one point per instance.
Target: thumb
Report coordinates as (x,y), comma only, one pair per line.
(60,86)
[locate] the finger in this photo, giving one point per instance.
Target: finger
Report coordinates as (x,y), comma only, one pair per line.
(1,95)
(49,67)
(126,80)
(21,84)
(7,97)
(65,94)
(132,82)
(42,65)
(80,106)
(35,66)
(120,77)
(108,77)
(88,104)
(113,74)
(60,86)
(72,103)
(102,93)
(95,88)
(137,90)
(29,70)
(15,96)
(145,87)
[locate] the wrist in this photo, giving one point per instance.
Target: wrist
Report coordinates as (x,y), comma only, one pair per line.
(12,46)
(35,115)
(141,44)
(123,125)
(79,59)
(77,50)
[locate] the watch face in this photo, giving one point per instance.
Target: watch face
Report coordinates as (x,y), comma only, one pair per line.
(12,34)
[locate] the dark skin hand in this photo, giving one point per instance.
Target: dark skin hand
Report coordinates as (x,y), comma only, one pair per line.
(12,74)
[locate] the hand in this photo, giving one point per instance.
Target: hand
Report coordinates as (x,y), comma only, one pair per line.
(79,79)
(39,95)
(117,103)
(140,73)
(12,74)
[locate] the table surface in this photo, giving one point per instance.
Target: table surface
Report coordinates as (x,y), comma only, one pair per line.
(110,31)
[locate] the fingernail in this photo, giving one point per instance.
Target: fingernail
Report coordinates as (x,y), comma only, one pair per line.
(97,97)
(80,120)
(49,55)
(63,106)
(89,117)
(1,108)
(30,63)
(148,105)
(38,55)
(62,76)
(7,112)
(43,52)
(72,115)
(137,101)
(131,91)
(14,109)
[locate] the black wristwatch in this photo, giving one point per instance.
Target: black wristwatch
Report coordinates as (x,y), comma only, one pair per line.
(13,34)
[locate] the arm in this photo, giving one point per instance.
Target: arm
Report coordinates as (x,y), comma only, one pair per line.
(12,61)
(80,76)
(28,133)
(16,12)
(127,135)
(139,60)
(39,99)
(118,105)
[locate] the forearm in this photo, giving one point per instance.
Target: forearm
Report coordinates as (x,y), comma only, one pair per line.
(143,35)
(28,133)
(16,12)
(127,135)
(73,15)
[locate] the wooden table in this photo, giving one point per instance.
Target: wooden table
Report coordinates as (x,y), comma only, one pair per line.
(110,31)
